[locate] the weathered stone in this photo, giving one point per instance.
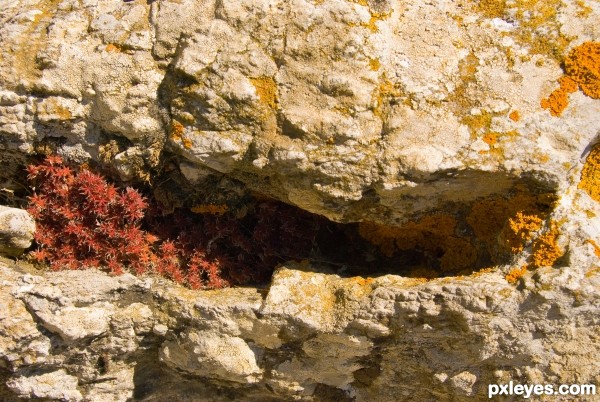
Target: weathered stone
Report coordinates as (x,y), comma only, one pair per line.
(206,354)
(16,230)
(73,323)
(57,385)
(349,109)
(385,338)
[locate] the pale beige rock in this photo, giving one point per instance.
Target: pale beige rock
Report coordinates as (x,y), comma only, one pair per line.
(74,323)
(16,230)
(347,109)
(57,385)
(207,354)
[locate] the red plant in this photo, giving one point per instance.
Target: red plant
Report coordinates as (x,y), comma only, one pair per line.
(82,221)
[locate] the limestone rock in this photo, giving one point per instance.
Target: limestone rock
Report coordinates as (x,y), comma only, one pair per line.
(16,230)
(355,110)
(386,338)
(74,323)
(203,353)
(57,385)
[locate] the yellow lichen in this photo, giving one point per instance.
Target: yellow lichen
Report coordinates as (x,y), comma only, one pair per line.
(374,64)
(211,209)
(266,89)
(545,248)
(177,131)
(478,123)
(582,70)
(515,274)
(514,115)
(590,175)
(593,271)
(385,91)
(584,9)
(596,247)
(537,21)
(519,230)
(511,220)
(375,16)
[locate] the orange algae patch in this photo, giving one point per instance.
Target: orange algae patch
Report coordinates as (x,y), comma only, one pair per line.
(432,234)
(515,274)
(582,70)
(590,175)
(177,130)
(545,248)
(266,89)
(520,230)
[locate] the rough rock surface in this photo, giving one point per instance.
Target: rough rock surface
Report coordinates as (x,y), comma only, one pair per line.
(386,111)
(16,230)
(84,335)
(353,109)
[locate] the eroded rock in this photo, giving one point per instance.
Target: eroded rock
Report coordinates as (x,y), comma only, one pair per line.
(16,230)
(352,110)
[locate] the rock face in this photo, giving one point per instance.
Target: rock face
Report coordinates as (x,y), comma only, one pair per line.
(378,110)
(84,335)
(460,128)
(16,230)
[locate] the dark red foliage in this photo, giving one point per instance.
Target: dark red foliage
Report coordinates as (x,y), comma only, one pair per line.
(85,222)
(248,249)
(82,221)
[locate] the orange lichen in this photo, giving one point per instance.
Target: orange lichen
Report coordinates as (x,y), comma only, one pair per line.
(490,138)
(488,216)
(512,219)
(590,175)
(545,248)
(582,70)
(583,66)
(596,247)
(558,100)
(514,115)
(210,209)
(515,274)
(374,64)
(266,89)
(177,131)
(519,230)
(111,47)
(433,234)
